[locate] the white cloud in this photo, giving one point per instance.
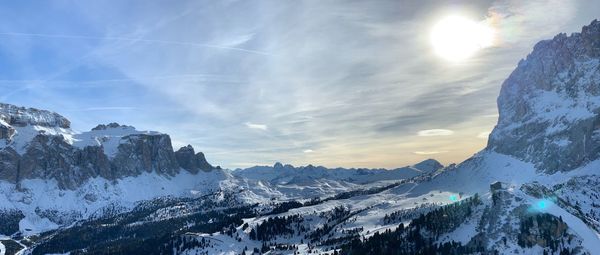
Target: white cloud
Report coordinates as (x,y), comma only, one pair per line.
(484,135)
(338,65)
(308,151)
(256,126)
(108,108)
(428,152)
(435,132)
(529,21)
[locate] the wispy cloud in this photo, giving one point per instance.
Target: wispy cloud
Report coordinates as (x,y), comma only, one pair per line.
(308,151)
(428,152)
(313,74)
(256,126)
(141,40)
(528,21)
(435,132)
(108,108)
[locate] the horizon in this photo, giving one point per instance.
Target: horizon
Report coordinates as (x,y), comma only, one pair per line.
(306,83)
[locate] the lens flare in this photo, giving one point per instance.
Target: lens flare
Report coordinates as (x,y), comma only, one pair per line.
(541,205)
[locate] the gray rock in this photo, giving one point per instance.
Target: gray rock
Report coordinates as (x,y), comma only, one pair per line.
(21,116)
(145,153)
(110,125)
(6,132)
(549,106)
(92,159)
(49,156)
(9,164)
(191,161)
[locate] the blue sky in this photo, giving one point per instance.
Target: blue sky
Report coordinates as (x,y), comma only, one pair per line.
(334,83)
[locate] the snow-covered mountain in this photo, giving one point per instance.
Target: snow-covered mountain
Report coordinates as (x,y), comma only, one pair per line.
(52,177)
(288,174)
(549,106)
(38,144)
(532,190)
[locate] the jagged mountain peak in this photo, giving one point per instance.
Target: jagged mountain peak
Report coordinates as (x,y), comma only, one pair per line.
(20,116)
(191,161)
(549,105)
(112,125)
(428,165)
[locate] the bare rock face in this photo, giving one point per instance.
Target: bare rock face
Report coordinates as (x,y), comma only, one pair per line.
(145,153)
(191,161)
(21,116)
(9,165)
(6,132)
(92,159)
(549,106)
(49,157)
(53,153)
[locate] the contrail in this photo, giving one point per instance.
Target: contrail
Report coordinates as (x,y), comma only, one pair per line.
(84,37)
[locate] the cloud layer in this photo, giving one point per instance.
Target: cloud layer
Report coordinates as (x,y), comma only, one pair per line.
(261,81)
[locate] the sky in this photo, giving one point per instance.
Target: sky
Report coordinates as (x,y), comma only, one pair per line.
(333,83)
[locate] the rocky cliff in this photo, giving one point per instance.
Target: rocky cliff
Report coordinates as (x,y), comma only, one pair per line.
(549,106)
(38,144)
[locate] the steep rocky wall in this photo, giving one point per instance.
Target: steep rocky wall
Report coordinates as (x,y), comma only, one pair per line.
(549,106)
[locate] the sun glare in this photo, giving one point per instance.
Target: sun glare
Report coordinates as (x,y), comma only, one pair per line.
(457,38)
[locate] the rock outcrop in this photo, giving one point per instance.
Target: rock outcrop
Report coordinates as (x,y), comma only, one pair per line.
(549,106)
(21,116)
(38,144)
(191,161)
(140,152)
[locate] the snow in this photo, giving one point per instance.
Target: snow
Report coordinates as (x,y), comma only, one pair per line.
(34,224)
(108,138)
(470,177)
(45,195)
(24,135)
(462,234)
(562,142)
(591,239)
(552,106)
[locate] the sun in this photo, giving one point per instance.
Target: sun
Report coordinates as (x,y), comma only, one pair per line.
(456,38)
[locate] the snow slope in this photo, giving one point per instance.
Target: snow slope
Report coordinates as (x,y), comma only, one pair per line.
(90,199)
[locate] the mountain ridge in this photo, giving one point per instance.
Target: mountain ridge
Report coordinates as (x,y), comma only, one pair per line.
(40,144)
(286,173)
(549,105)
